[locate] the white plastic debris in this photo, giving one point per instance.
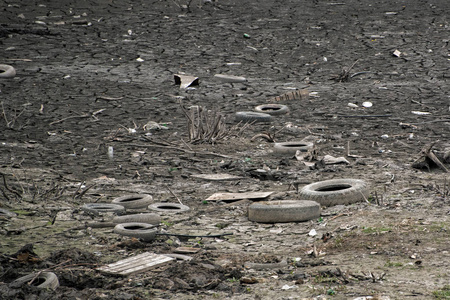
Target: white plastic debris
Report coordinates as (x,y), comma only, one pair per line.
(420,113)
(367,104)
(397,53)
(139,59)
(313,232)
(110,152)
(288,287)
(384,136)
(352,105)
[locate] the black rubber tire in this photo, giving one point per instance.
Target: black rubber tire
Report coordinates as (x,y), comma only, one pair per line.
(169,207)
(283,211)
(290,148)
(148,218)
(336,191)
(144,231)
(272,109)
(6,214)
(251,116)
(43,281)
(135,201)
(7,71)
(97,208)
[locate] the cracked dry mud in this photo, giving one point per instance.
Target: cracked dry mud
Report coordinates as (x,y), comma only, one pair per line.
(91,74)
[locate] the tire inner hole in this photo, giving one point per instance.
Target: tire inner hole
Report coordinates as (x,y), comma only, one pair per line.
(295,145)
(168,207)
(271,108)
(131,199)
(334,188)
(38,281)
(134,227)
(103,207)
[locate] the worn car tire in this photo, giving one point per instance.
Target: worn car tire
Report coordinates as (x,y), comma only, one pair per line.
(133,201)
(44,280)
(148,218)
(283,211)
(6,214)
(144,231)
(97,208)
(272,109)
(7,71)
(336,191)
(251,116)
(169,207)
(290,148)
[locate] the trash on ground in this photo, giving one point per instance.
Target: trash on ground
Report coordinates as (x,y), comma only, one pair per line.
(238,196)
(352,105)
(331,160)
(421,113)
(135,264)
(397,53)
(313,232)
(185,80)
(186,250)
(367,104)
(230,78)
(217,177)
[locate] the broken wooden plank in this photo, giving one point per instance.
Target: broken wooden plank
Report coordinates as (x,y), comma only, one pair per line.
(238,196)
(217,177)
(136,264)
(187,250)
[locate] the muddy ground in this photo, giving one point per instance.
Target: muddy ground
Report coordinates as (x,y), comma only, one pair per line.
(91,74)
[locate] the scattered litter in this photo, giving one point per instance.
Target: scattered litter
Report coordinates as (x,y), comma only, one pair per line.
(186,250)
(139,59)
(217,177)
(331,160)
(239,196)
(110,152)
(247,36)
(152,125)
(352,105)
(367,104)
(234,64)
(420,113)
(135,264)
(385,136)
(185,80)
(230,78)
(249,280)
(288,287)
(397,53)
(313,232)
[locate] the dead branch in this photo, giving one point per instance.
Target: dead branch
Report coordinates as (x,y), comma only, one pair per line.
(206,126)
(425,156)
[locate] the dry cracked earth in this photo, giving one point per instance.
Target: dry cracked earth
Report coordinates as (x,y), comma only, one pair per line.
(94,113)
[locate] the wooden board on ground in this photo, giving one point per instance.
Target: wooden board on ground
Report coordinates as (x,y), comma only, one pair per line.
(217,177)
(184,250)
(136,264)
(238,196)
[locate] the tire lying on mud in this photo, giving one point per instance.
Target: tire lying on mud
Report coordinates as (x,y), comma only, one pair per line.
(7,71)
(98,208)
(251,116)
(272,109)
(148,218)
(290,148)
(336,191)
(144,231)
(283,211)
(169,207)
(43,281)
(135,201)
